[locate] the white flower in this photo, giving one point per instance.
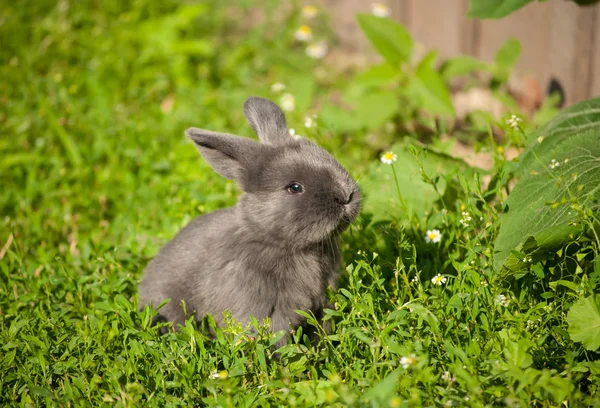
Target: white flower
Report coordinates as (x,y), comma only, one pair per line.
(406,362)
(415,279)
(532,324)
(303,33)
(502,300)
(317,50)
(446,376)
(288,102)
(308,122)
(527,259)
(513,122)
(466,217)
(380,10)
(295,136)
(554,164)
(219,375)
(277,87)
(438,279)
(433,236)
(388,158)
(309,12)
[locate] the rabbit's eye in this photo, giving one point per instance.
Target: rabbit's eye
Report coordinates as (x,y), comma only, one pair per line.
(295,188)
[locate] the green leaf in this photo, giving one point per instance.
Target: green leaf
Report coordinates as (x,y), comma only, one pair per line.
(575,119)
(462,65)
(376,108)
(494,8)
(542,207)
(377,75)
(429,92)
(339,120)
(584,322)
(506,58)
(391,39)
(379,186)
(41,391)
(384,389)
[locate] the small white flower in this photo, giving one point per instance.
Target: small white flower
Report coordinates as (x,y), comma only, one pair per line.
(554,164)
(277,87)
(295,136)
(446,376)
(502,300)
(433,236)
(380,10)
(513,122)
(527,259)
(309,12)
(388,158)
(317,50)
(415,279)
(438,279)
(219,375)
(406,362)
(466,217)
(303,33)
(308,122)
(288,102)
(532,324)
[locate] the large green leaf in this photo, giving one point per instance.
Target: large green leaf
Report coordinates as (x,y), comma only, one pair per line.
(584,322)
(391,39)
(573,120)
(542,211)
(376,108)
(379,185)
(494,8)
(428,90)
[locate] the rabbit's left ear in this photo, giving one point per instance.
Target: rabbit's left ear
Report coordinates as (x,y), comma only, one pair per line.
(267,121)
(233,157)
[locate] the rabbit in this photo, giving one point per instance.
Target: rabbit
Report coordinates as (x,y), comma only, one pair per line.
(276,251)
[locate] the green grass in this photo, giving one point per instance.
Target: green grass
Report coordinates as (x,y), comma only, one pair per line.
(95,177)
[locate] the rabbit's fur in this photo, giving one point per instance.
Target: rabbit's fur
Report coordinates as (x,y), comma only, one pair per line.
(275,251)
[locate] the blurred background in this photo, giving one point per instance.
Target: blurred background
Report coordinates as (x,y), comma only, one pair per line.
(559,38)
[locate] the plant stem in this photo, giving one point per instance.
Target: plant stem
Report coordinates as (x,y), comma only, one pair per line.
(402,202)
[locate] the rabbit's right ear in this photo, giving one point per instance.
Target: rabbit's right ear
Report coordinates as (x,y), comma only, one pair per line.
(231,156)
(267,121)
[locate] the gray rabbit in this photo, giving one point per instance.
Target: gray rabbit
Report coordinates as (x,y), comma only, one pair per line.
(277,250)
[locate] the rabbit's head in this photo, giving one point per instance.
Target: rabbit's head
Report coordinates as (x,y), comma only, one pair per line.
(297,194)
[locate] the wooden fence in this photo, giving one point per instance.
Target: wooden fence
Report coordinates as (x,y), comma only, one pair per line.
(559,39)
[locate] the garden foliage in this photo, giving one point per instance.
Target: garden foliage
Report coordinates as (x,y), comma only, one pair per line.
(463,285)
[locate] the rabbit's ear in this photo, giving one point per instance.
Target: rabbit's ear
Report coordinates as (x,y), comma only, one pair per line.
(267,121)
(231,156)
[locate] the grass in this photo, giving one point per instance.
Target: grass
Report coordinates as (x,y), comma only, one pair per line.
(96,175)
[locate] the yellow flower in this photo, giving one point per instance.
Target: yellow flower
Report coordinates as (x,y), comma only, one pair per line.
(388,158)
(309,12)
(303,33)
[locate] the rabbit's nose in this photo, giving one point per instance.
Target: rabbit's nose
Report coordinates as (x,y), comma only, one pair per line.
(344,198)
(350,196)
